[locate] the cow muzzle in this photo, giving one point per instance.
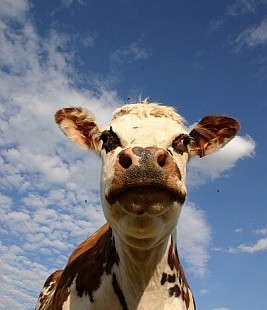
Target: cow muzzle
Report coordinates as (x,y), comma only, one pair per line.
(146,180)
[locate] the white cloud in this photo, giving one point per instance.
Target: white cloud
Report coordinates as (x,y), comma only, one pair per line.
(68,3)
(259,246)
(241,7)
(253,36)
(203,292)
(11,9)
(221,308)
(215,25)
(262,231)
(87,41)
(215,165)
(19,278)
(194,236)
(128,54)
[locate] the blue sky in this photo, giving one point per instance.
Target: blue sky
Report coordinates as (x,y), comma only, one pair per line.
(203,57)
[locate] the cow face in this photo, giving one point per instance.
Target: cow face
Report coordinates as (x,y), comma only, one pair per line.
(144,153)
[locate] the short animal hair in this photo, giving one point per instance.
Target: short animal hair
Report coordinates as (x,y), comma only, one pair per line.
(145,109)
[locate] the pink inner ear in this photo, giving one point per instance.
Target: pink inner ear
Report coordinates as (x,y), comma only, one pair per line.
(213,132)
(79,126)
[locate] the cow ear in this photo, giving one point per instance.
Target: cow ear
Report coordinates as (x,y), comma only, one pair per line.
(211,133)
(79,125)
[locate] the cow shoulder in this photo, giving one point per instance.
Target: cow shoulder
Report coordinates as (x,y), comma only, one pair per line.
(47,293)
(86,266)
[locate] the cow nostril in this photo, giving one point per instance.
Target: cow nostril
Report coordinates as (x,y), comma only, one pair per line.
(125,161)
(162,160)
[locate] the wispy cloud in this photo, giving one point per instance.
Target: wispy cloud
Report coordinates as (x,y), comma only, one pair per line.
(253,36)
(237,8)
(215,25)
(241,7)
(128,54)
(203,292)
(87,41)
(259,246)
(14,9)
(221,308)
(68,3)
(262,231)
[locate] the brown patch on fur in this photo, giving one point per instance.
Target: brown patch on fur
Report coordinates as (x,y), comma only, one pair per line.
(185,290)
(185,286)
(48,288)
(171,278)
(212,130)
(87,263)
(163,278)
(173,259)
(174,291)
(174,262)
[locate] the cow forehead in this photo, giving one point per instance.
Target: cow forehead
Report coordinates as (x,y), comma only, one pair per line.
(149,130)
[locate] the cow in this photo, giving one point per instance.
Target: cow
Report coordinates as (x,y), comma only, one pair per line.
(132,262)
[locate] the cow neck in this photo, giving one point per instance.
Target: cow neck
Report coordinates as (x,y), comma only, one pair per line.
(142,266)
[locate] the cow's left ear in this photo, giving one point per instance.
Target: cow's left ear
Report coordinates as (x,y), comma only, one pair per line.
(79,126)
(211,133)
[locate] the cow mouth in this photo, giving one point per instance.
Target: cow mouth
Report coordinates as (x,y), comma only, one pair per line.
(149,198)
(145,193)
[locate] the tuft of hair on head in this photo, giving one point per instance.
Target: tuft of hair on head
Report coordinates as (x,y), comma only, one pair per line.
(145,109)
(145,100)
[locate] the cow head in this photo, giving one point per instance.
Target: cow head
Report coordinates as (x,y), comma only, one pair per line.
(144,152)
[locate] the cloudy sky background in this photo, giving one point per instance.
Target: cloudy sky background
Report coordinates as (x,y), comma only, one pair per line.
(203,58)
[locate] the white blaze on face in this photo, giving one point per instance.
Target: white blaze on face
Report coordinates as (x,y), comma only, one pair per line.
(143,132)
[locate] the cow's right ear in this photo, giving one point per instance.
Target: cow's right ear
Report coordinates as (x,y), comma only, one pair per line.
(212,133)
(79,125)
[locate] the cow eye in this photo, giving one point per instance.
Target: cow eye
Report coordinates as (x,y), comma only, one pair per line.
(180,143)
(110,140)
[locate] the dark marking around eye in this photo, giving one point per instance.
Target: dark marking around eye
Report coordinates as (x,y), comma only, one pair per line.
(110,140)
(180,143)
